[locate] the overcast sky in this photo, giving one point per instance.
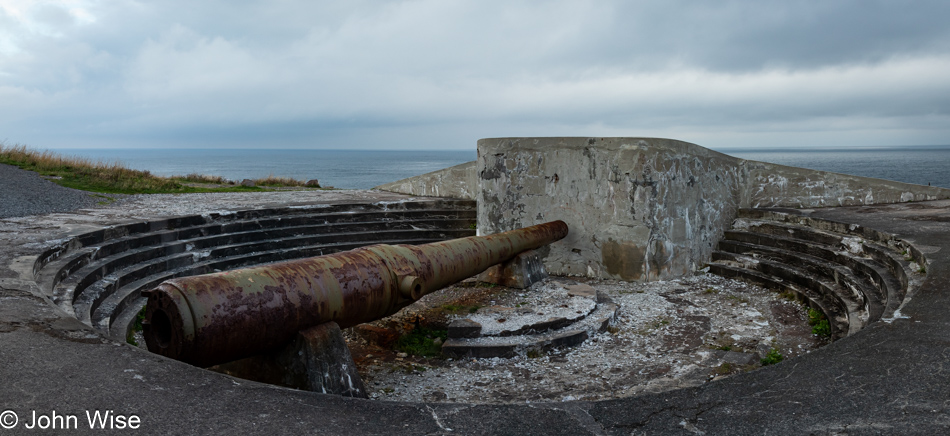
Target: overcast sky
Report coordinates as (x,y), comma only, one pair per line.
(438,74)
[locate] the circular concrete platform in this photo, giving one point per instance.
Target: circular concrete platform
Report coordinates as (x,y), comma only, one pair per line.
(886,378)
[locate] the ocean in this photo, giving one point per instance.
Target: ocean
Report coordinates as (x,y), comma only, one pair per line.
(346,169)
(364,169)
(920,165)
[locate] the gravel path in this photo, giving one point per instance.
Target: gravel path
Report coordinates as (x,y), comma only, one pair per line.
(24,193)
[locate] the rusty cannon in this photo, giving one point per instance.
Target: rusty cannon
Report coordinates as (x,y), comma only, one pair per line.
(215,318)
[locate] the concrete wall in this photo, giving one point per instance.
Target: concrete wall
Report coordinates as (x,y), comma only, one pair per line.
(454,182)
(638,208)
(644,208)
(771,185)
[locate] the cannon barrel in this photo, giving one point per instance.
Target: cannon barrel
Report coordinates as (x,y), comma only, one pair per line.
(215,318)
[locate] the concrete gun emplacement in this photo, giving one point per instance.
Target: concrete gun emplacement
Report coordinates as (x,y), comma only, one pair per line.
(216,318)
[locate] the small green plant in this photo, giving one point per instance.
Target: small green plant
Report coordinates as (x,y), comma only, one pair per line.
(136,327)
(724,347)
(788,295)
(922,269)
(772,357)
(710,291)
(421,342)
(659,323)
(452,307)
(738,299)
(819,323)
(472,226)
(534,353)
(724,369)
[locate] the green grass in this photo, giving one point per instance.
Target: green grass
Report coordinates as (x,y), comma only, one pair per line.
(819,323)
(772,357)
(136,327)
(421,342)
(113,178)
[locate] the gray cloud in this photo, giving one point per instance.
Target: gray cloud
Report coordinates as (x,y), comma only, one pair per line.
(434,74)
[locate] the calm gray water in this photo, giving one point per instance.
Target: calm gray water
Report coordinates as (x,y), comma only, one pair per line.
(348,169)
(912,164)
(363,169)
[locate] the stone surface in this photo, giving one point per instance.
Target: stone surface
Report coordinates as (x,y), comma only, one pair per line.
(316,360)
(520,272)
(889,378)
(454,182)
(646,208)
(638,209)
(464,328)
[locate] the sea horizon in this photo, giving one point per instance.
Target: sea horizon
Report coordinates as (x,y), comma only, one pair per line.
(367,168)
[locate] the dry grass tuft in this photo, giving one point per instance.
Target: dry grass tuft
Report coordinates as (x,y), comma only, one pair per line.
(114,178)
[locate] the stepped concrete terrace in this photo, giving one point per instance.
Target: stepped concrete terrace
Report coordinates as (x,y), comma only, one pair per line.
(68,283)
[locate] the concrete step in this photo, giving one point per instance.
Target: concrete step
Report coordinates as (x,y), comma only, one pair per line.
(861,289)
(138,235)
(113,312)
(285,248)
(847,313)
(99,275)
(809,297)
(854,275)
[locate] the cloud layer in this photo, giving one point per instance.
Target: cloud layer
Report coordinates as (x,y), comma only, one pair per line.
(437,74)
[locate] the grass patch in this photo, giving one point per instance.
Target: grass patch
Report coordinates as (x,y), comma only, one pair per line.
(738,299)
(459,308)
(819,323)
(202,178)
(275,181)
(105,199)
(788,295)
(421,342)
(772,357)
(113,178)
(136,327)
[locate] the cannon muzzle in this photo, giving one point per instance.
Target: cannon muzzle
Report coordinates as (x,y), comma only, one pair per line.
(216,318)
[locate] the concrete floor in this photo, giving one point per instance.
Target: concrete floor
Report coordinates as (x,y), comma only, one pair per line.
(890,378)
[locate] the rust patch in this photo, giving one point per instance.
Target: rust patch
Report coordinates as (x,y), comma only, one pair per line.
(623,259)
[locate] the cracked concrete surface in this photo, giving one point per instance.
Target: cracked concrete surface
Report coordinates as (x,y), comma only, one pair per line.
(890,378)
(667,335)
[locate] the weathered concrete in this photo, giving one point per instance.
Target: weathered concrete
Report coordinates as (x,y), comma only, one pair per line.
(886,379)
(638,209)
(521,272)
(647,208)
(772,185)
(317,360)
(459,181)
